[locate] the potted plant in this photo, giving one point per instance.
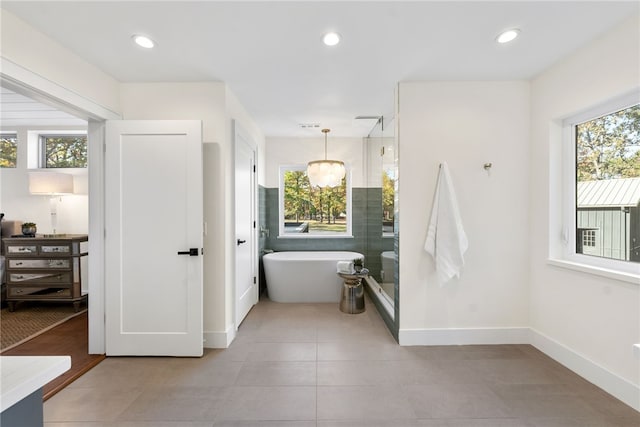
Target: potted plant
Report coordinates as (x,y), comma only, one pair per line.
(29,229)
(358,263)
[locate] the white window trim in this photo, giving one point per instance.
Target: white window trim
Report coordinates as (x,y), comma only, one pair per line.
(568,258)
(281,234)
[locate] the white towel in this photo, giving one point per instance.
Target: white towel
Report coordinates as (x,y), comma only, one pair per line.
(345,267)
(446,240)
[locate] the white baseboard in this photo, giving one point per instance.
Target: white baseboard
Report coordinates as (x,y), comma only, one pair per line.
(618,387)
(219,339)
(467,336)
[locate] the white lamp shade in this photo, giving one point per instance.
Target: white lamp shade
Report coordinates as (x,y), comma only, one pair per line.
(325,173)
(50,183)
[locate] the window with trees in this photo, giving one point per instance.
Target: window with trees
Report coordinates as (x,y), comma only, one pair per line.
(307,211)
(63,151)
(8,150)
(607,185)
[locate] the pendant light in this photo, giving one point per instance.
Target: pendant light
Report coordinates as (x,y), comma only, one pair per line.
(325,173)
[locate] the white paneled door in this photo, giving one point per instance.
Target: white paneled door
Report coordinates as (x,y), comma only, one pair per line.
(246,287)
(153,238)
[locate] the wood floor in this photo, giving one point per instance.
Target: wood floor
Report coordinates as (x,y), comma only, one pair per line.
(70,338)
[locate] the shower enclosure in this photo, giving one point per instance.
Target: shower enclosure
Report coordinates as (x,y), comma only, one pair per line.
(382,219)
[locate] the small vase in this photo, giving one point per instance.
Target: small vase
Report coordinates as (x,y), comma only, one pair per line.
(29,231)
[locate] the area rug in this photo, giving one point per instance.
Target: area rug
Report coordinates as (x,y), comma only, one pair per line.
(30,319)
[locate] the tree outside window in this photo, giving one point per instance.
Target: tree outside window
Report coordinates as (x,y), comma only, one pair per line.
(313,210)
(608,147)
(388,196)
(8,150)
(64,151)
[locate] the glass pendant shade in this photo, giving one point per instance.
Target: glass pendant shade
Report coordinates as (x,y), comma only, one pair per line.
(325,173)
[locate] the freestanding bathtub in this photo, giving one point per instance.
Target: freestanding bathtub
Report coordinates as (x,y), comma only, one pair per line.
(294,276)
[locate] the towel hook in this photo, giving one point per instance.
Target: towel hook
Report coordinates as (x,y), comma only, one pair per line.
(487,166)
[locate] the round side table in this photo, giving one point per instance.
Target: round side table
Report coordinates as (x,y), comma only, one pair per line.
(352,299)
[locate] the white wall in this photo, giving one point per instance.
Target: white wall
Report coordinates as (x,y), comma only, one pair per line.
(589,318)
(283,151)
(18,204)
(30,49)
(465,124)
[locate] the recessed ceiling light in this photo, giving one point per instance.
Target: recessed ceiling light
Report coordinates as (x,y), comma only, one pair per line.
(507,36)
(143,41)
(331,39)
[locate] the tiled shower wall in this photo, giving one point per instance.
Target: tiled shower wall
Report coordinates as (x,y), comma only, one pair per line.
(366,227)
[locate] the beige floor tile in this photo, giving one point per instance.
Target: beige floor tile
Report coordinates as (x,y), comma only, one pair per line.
(363,403)
(241,423)
(270,404)
(474,422)
(293,332)
(283,352)
(88,404)
(375,372)
(134,424)
(544,400)
(581,422)
(277,374)
(176,404)
(215,373)
(78,424)
(349,350)
(513,371)
(369,423)
(126,372)
(456,401)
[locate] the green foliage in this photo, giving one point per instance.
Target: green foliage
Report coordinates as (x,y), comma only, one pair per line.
(609,147)
(302,202)
(388,194)
(66,151)
(8,151)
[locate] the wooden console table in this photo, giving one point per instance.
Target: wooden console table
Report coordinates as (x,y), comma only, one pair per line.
(44,269)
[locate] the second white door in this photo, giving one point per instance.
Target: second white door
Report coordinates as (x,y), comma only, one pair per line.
(246,287)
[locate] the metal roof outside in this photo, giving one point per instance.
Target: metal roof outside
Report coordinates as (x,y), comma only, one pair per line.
(623,192)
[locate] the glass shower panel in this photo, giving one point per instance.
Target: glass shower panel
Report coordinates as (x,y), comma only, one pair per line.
(381,258)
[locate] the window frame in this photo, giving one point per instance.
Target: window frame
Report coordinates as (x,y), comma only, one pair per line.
(281,234)
(42,151)
(14,134)
(622,270)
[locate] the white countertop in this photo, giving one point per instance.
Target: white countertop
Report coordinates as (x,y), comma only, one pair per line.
(22,375)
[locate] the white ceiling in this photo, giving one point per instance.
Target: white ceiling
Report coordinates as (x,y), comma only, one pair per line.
(271,55)
(17,110)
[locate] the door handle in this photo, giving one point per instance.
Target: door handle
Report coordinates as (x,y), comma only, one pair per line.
(241,242)
(190,252)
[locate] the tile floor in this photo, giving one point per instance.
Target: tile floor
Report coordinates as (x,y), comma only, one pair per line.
(303,365)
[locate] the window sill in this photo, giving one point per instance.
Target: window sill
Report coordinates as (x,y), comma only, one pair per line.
(315,236)
(598,271)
